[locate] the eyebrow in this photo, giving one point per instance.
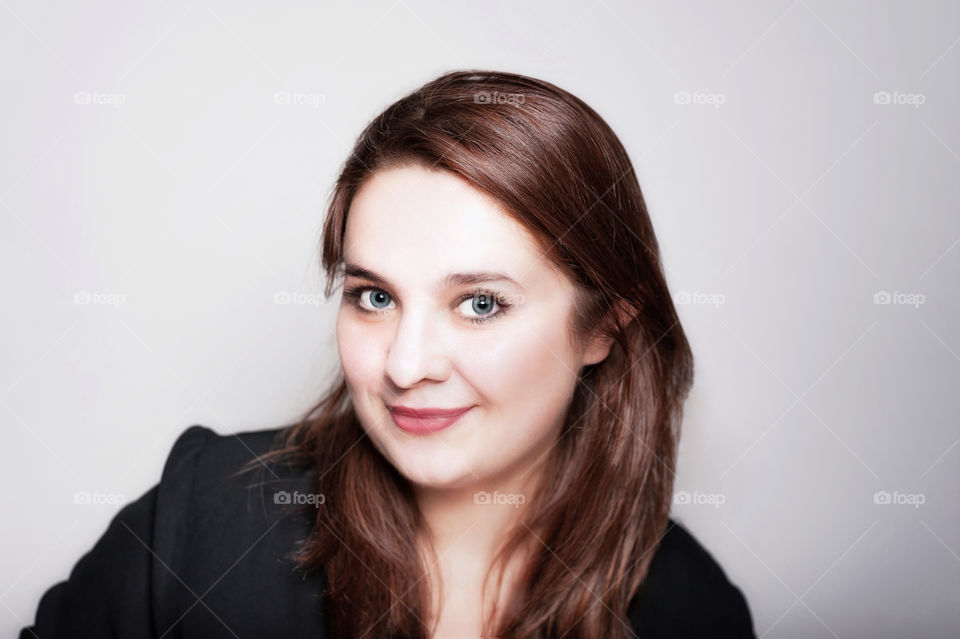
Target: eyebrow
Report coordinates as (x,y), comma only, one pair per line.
(452,279)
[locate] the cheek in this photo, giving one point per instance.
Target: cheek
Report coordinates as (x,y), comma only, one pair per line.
(526,368)
(357,352)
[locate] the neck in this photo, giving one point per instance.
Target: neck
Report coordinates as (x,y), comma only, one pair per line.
(466,527)
(467,524)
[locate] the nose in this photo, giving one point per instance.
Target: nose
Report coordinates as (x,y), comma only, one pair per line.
(416,352)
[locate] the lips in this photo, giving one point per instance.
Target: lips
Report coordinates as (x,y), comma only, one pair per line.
(422,421)
(427,413)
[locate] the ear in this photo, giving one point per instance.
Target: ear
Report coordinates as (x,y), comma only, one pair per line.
(597,350)
(599,346)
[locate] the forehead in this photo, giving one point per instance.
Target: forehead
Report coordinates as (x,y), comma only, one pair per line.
(414,219)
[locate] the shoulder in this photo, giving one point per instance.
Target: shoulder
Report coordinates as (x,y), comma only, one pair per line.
(206,549)
(201,455)
(687,593)
(212,481)
(230,532)
(201,448)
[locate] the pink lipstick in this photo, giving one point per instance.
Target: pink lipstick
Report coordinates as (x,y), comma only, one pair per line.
(423,421)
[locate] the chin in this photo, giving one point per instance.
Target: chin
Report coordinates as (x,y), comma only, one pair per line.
(424,461)
(443,471)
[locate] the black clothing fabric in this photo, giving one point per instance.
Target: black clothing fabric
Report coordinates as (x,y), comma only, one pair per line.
(205,553)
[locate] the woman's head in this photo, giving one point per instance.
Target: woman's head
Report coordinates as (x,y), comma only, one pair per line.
(587,367)
(413,332)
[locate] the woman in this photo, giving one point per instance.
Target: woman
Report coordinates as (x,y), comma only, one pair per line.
(497,458)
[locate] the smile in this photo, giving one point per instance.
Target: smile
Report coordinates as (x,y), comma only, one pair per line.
(422,422)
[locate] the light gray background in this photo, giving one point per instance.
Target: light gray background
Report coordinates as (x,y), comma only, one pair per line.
(148,164)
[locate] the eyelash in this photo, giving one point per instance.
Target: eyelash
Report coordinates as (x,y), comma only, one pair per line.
(354,292)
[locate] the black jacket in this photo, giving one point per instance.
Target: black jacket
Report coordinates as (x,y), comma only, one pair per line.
(205,554)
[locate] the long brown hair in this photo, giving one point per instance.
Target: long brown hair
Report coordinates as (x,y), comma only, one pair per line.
(558,169)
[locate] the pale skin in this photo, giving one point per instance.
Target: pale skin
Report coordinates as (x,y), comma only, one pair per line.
(419,347)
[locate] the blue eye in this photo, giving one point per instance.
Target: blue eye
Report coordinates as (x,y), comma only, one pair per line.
(482,302)
(379,297)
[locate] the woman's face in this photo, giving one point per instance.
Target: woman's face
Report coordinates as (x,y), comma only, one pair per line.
(409,336)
